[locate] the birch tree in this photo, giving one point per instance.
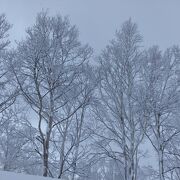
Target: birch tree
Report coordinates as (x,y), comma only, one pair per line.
(73,133)
(8,91)
(81,131)
(161,80)
(118,111)
(11,141)
(4,28)
(46,66)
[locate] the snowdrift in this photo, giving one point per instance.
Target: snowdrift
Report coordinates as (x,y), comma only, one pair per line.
(4,175)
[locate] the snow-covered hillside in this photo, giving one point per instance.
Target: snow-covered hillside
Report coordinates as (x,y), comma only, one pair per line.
(14,176)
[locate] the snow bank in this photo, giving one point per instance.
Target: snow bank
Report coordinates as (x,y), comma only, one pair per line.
(4,175)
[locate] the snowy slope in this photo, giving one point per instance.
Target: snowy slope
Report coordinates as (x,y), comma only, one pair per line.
(14,176)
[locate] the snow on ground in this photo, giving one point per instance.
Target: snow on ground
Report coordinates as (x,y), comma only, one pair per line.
(4,175)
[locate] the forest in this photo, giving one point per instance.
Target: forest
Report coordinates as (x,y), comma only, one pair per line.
(71,114)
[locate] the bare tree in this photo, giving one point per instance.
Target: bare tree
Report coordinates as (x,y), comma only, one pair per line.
(118,111)
(8,91)
(71,136)
(4,28)
(46,66)
(161,83)
(11,141)
(81,130)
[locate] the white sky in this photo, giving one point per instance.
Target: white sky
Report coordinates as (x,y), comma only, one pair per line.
(97,20)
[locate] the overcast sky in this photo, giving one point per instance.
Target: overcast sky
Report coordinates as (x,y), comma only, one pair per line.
(97,20)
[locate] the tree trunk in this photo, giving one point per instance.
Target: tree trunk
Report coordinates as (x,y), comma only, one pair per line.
(160,149)
(45,160)
(61,163)
(79,130)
